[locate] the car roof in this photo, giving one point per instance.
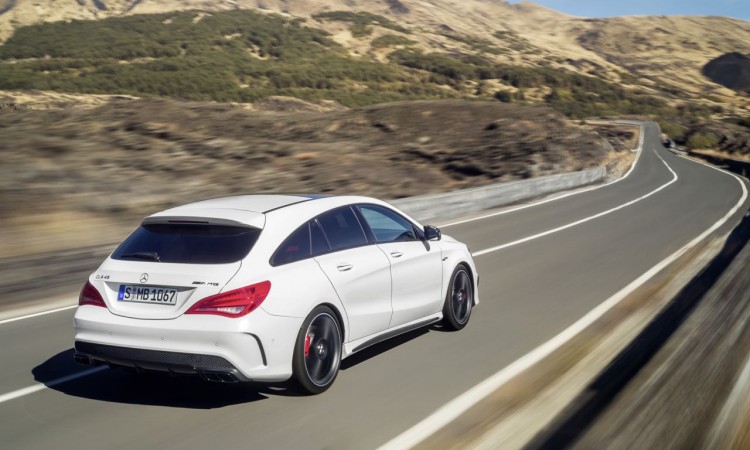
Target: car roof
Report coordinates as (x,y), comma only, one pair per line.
(251,209)
(254,203)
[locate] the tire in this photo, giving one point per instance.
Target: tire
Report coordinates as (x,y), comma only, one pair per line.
(317,352)
(459,299)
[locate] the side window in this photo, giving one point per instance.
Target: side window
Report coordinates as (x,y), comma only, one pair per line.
(342,229)
(295,248)
(387,225)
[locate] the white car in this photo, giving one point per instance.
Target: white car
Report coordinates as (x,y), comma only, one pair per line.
(270,287)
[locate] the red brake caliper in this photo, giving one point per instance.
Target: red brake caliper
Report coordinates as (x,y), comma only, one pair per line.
(308,341)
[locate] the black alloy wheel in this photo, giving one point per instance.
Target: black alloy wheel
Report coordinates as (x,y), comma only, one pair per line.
(459,299)
(317,353)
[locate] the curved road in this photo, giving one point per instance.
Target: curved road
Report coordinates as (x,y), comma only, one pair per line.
(542,268)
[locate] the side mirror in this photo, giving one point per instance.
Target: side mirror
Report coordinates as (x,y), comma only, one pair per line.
(432,233)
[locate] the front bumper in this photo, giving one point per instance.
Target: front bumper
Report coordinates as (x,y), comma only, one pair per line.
(256,347)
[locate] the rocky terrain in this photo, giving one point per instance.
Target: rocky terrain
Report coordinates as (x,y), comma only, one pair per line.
(727,138)
(83,176)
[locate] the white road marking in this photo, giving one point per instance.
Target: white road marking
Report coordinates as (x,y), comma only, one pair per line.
(459,405)
(586,219)
(39,386)
(64,308)
(560,197)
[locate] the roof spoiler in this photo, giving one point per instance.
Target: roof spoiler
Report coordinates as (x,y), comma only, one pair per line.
(191,220)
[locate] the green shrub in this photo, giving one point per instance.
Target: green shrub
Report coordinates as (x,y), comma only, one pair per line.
(361,19)
(702,140)
(673,130)
(515,42)
(244,56)
(359,30)
(434,62)
(478,44)
(390,40)
(207,60)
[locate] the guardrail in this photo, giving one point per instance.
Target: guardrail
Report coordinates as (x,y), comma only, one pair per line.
(467,201)
(425,208)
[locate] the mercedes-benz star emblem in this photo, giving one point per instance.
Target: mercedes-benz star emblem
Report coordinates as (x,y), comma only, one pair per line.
(144,277)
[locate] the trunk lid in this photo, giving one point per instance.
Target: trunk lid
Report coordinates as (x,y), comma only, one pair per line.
(159,290)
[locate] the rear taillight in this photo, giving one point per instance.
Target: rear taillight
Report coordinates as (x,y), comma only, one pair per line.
(236,303)
(90,296)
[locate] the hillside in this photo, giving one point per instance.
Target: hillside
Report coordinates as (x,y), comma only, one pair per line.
(663,54)
(357,96)
(85,176)
(364,52)
(244,56)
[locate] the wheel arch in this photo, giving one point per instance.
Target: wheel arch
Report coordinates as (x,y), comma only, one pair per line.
(456,257)
(339,318)
(472,276)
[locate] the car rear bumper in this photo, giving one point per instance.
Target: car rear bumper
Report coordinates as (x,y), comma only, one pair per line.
(208,367)
(257,347)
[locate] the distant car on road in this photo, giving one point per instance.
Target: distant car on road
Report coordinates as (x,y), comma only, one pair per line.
(270,287)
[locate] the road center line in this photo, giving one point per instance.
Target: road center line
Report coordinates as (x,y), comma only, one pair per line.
(41,386)
(459,405)
(586,219)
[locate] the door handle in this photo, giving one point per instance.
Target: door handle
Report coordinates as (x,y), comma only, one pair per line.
(343,267)
(397,254)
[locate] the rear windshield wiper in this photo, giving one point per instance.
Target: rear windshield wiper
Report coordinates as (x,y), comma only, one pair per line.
(153,256)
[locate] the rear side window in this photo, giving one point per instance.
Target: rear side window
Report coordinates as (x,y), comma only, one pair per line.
(188,244)
(308,240)
(342,229)
(295,248)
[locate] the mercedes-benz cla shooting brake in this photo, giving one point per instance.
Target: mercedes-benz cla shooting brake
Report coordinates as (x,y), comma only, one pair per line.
(265,288)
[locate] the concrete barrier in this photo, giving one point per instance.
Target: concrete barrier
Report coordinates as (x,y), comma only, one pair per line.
(466,201)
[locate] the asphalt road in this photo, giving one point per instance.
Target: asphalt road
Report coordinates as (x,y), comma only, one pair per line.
(530,292)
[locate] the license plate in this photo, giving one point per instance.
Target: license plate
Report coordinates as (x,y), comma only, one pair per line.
(147,294)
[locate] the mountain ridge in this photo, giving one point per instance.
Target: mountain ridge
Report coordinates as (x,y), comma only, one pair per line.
(644,46)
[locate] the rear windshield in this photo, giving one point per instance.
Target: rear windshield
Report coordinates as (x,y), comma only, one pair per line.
(189,244)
